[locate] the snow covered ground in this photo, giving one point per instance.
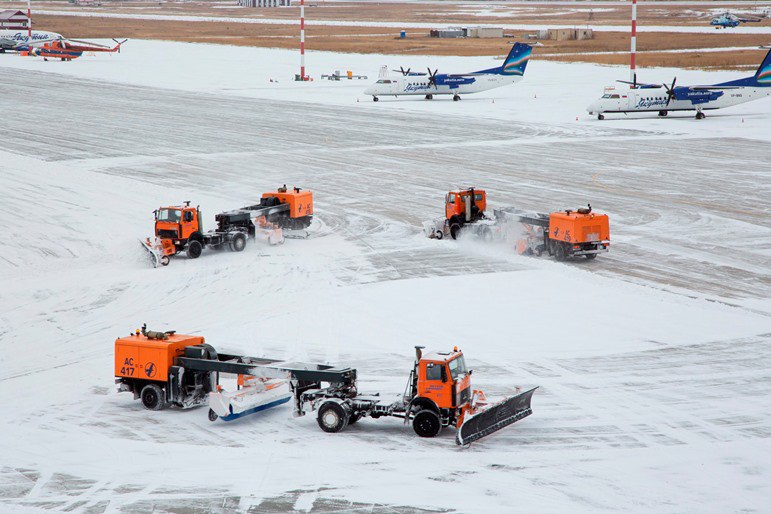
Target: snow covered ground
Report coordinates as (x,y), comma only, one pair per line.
(652,360)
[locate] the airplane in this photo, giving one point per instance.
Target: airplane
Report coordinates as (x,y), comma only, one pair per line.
(649,98)
(14,40)
(434,83)
(50,44)
(727,20)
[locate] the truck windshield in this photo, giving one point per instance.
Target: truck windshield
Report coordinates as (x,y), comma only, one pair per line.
(169,215)
(457,367)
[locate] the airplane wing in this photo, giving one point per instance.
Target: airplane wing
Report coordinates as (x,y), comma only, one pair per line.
(640,84)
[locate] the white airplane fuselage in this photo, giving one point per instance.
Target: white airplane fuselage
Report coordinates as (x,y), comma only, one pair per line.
(655,100)
(21,37)
(398,84)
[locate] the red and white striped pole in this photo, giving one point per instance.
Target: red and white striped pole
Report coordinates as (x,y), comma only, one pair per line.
(302,39)
(632,71)
(29,23)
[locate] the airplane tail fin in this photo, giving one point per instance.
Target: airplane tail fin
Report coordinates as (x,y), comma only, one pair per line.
(763,75)
(516,61)
(116,48)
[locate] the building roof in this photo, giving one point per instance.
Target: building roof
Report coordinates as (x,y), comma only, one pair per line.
(12,14)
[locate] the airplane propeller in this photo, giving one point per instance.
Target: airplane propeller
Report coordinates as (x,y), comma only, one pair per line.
(403,71)
(432,77)
(670,90)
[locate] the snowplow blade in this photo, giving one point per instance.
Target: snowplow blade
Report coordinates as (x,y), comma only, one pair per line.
(495,418)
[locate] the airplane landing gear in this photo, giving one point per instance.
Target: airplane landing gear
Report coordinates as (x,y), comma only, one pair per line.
(700,115)
(375,99)
(600,117)
(455,98)
(429,97)
(663,113)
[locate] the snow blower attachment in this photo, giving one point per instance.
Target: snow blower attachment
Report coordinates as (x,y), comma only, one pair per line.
(280,214)
(184,371)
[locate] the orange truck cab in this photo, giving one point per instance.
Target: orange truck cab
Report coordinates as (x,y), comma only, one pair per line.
(176,225)
(146,365)
(441,383)
(464,206)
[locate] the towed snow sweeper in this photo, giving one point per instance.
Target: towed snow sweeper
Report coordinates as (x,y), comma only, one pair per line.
(163,368)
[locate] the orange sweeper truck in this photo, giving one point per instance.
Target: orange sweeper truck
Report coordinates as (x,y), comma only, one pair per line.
(166,368)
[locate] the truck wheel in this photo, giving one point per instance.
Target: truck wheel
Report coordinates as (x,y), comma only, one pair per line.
(454,230)
(165,260)
(153,397)
(426,423)
(238,243)
(194,249)
(591,256)
(332,417)
(212,416)
(439,234)
(559,253)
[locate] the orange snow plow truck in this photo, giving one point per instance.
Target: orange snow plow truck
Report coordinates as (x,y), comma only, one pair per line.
(180,228)
(165,368)
(562,234)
